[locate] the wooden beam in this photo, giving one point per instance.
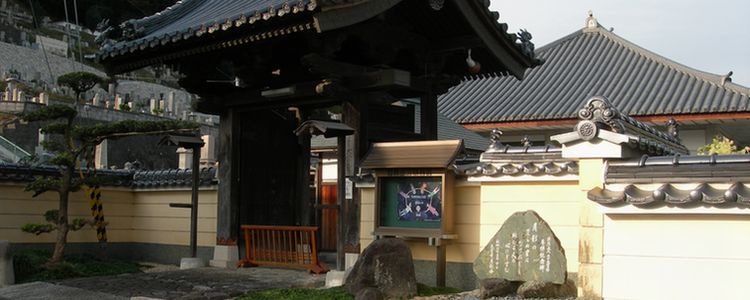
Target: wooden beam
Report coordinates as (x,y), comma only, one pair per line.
(329,67)
(456,44)
(332,18)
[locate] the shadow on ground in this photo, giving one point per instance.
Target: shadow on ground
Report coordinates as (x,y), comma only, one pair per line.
(203,283)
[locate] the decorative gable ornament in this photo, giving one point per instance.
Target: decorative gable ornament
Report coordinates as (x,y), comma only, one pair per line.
(437,4)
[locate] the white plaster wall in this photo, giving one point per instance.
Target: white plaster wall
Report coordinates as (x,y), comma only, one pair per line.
(676,256)
(694,139)
(330,170)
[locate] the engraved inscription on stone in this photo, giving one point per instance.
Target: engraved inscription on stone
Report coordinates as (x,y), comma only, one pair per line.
(524,249)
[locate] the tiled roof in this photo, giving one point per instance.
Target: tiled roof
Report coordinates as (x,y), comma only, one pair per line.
(194,18)
(24,173)
(449,130)
(417,154)
(518,168)
(702,194)
(173,178)
(188,20)
(506,160)
(678,168)
(590,62)
(123,178)
(682,181)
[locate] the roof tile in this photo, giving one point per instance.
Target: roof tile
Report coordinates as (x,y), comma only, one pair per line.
(593,62)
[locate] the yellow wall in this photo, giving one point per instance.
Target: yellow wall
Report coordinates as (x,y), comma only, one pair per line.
(367,216)
(466,212)
(155,222)
(558,203)
(141,216)
(480,211)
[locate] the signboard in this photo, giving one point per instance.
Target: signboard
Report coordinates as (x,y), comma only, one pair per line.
(411,202)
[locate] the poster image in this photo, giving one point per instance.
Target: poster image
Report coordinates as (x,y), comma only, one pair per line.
(411,202)
(419,201)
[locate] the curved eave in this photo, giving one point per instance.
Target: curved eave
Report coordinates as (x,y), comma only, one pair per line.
(668,195)
(495,37)
(244,27)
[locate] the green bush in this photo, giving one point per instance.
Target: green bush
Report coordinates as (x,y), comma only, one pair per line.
(426,290)
(26,263)
(30,265)
(337,293)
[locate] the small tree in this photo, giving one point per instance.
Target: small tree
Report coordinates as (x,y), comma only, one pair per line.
(124,107)
(720,145)
(75,143)
(79,82)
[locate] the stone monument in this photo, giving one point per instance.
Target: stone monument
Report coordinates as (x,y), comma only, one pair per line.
(524,253)
(524,249)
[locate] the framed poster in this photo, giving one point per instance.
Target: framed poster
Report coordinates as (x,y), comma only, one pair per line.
(411,202)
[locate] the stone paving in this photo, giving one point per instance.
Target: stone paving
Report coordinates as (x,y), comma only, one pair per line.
(203,283)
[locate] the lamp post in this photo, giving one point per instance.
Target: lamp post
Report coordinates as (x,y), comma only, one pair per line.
(195,143)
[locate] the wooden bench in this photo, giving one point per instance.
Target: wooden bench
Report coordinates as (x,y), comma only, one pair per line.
(285,246)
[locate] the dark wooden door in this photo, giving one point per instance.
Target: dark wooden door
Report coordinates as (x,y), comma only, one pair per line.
(268,169)
(329,217)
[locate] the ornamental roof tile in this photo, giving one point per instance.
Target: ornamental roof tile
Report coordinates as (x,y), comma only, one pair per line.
(599,119)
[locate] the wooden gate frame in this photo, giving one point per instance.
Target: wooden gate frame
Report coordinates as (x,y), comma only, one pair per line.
(284,246)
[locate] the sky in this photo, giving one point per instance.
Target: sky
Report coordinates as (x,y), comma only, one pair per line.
(707,35)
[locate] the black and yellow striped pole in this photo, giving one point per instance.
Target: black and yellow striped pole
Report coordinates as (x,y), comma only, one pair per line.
(95,201)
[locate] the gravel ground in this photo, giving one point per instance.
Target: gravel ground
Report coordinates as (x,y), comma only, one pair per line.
(474,295)
(150,267)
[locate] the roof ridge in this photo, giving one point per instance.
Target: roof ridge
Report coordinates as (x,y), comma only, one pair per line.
(711,78)
(561,40)
(179,8)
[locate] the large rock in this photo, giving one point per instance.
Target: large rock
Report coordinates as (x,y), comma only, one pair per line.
(6,265)
(370,293)
(497,287)
(537,289)
(386,265)
(524,249)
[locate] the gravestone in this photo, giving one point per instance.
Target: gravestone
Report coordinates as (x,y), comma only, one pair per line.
(6,265)
(524,249)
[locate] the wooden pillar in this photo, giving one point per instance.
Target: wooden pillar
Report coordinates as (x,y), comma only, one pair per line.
(227,219)
(341,203)
(429,116)
(356,145)
(440,264)
(194,201)
(304,205)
